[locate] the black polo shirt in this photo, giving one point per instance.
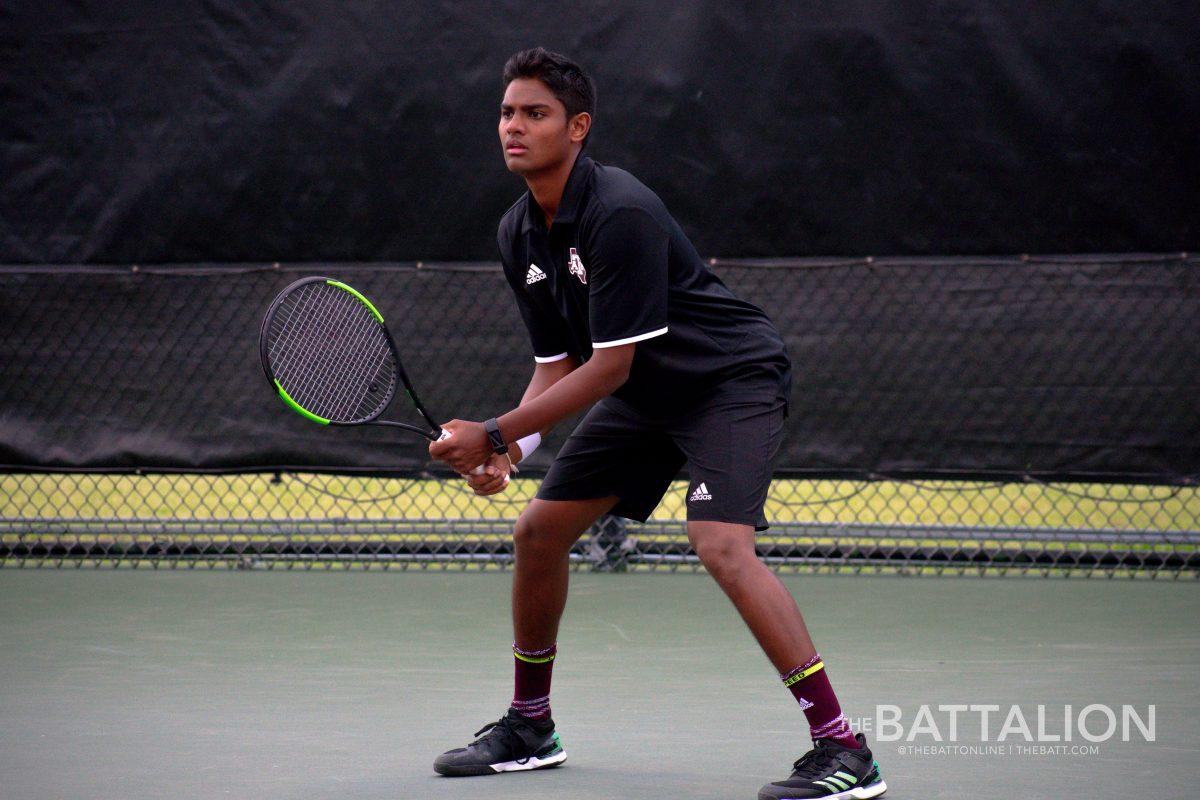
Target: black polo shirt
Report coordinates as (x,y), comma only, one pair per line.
(616,268)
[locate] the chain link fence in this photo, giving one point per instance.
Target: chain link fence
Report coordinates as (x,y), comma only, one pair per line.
(948,415)
(305,520)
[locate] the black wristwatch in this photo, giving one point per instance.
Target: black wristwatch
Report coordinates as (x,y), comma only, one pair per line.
(493,431)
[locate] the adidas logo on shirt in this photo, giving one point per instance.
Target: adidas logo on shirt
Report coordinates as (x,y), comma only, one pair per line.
(805,704)
(701,493)
(534,275)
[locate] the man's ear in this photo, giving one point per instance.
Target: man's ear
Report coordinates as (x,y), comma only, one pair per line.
(579,125)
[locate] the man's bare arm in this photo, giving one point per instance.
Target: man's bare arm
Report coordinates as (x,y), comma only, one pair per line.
(494,478)
(603,374)
(544,376)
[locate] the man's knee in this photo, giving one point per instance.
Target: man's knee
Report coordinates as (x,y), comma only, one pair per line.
(530,531)
(725,553)
(556,525)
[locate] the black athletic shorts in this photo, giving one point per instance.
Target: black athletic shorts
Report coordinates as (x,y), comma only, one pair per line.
(729,444)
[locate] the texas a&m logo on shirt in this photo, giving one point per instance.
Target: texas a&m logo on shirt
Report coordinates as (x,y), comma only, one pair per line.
(576,267)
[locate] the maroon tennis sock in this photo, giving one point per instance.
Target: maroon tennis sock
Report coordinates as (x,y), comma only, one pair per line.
(810,686)
(531,695)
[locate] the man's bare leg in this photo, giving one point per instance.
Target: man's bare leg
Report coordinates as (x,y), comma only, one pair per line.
(543,537)
(770,611)
(767,607)
(524,738)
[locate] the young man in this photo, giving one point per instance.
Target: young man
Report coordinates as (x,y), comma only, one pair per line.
(622,313)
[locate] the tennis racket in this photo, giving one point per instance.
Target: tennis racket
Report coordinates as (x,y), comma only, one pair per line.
(329,356)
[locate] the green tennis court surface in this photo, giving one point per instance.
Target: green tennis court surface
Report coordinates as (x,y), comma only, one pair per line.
(119,684)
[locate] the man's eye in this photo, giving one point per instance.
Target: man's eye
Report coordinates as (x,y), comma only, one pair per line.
(505,114)
(536,114)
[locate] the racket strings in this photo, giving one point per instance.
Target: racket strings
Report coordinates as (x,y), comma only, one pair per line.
(296,364)
(337,380)
(350,391)
(330,354)
(299,363)
(364,350)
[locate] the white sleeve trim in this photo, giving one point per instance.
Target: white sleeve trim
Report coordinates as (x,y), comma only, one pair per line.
(630,339)
(549,359)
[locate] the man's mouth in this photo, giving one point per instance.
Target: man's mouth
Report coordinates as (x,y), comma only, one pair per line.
(515,147)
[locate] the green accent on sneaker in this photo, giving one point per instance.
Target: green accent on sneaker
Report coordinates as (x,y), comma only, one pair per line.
(361,299)
(841,785)
(846,777)
(824,784)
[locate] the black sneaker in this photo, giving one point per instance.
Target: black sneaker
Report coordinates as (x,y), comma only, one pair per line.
(832,771)
(511,744)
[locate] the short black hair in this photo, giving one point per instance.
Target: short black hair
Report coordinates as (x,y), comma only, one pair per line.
(566,80)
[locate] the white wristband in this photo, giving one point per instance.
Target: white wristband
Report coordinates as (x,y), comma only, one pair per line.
(529,444)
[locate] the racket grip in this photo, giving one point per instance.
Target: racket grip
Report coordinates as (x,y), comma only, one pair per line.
(478,470)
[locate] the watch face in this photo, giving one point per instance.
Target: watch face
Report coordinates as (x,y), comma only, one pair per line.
(493,432)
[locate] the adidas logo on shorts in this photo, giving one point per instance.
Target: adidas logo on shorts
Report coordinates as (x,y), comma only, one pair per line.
(534,275)
(701,493)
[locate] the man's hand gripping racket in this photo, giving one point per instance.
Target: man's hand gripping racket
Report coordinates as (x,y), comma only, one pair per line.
(329,356)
